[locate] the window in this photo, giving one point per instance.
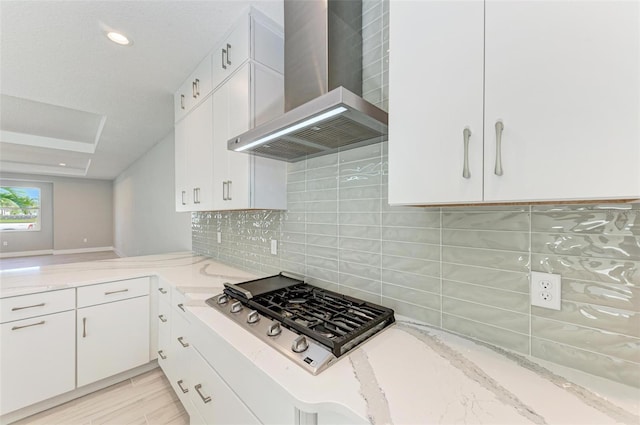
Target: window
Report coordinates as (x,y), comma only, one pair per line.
(19,209)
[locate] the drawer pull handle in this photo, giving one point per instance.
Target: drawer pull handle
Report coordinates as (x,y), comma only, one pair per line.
(162,318)
(181,341)
(184,390)
(197,87)
(28,306)
(499,127)
(205,399)
(228,51)
(193,90)
(84,327)
(181,101)
(15,328)
(116,292)
(161,354)
(465,169)
(183,202)
(181,307)
(162,290)
(224,52)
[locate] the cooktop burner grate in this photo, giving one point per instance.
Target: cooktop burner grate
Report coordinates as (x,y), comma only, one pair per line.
(337,321)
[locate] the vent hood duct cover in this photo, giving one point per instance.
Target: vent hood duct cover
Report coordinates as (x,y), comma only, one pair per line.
(323,83)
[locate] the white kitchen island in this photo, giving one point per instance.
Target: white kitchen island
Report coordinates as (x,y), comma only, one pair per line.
(410,373)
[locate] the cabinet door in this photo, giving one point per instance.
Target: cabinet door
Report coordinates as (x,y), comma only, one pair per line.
(182,198)
(239,99)
(215,401)
(112,338)
(220,132)
(564,79)
(37,359)
(435,93)
(200,156)
(232,52)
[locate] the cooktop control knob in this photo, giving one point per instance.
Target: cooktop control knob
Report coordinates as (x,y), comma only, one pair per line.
(253,317)
(223,299)
(274,329)
(300,344)
(236,307)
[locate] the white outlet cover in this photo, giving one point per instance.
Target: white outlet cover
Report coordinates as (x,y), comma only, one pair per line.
(219,237)
(274,247)
(546,290)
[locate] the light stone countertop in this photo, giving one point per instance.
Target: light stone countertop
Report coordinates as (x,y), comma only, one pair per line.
(410,373)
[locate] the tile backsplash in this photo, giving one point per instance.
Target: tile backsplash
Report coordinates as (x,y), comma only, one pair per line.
(463,269)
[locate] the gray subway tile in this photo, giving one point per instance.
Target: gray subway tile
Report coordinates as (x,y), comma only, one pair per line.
(587,268)
(614,220)
(322,274)
(296,187)
(584,245)
(321,206)
(321,240)
(322,251)
(596,364)
(594,316)
(505,260)
(494,220)
(487,239)
(322,173)
(293,266)
(360,270)
(411,280)
(322,218)
(487,333)
(363,295)
(411,250)
(321,262)
(411,265)
(360,283)
(426,315)
(321,195)
(625,297)
(322,184)
(357,180)
(411,234)
(413,296)
(411,218)
(298,176)
(360,205)
(598,341)
(507,300)
(516,322)
(361,218)
(361,257)
(368,245)
(322,161)
(360,192)
(355,231)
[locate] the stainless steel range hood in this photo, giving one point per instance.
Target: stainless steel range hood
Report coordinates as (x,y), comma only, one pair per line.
(323,87)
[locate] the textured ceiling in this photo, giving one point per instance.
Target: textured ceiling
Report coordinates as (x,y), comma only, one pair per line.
(55,54)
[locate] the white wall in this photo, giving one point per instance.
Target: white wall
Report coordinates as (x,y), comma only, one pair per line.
(145,221)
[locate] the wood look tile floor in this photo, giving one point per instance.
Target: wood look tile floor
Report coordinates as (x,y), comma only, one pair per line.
(46,260)
(146,399)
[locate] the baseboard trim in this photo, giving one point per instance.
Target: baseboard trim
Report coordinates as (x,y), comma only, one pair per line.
(82,250)
(78,392)
(26,253)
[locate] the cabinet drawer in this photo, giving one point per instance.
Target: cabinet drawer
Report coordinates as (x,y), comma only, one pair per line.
(112,291)
(25,306)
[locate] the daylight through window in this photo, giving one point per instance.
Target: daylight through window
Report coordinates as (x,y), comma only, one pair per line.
(19,209)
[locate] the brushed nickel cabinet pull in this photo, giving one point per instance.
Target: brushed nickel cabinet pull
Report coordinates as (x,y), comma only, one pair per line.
(182,101)
(229,190)
(84,327)
(228,51)
(15,328)
(466,133)
(181,307)
(205,399)
(193,90)
(224,191)
(184,390)
(499,128)
(183,193)
(162,318)
(161,354)
(181,341)
(224,52)
(197,87)
(28,306)
(162,290)
(116,292)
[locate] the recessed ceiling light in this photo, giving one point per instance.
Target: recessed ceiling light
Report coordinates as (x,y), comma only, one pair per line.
(118,38)
(62,164)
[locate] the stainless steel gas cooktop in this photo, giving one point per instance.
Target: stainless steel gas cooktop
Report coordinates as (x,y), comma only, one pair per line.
(310,325)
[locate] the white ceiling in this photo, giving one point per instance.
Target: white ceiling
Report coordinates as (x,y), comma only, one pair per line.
(69,95)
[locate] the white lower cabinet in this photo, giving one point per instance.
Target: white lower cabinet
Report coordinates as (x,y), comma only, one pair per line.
(214,400)
(112,338)
(37,359)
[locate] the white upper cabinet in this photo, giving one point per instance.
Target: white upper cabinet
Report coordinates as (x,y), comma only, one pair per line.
(559,92)
(194,89)
(248,89)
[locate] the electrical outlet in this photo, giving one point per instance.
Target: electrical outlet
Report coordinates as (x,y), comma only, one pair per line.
(274,247)
(5,243)
(546,290)
(219,236)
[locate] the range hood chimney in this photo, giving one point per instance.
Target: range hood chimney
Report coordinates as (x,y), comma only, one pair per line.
(323,87)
